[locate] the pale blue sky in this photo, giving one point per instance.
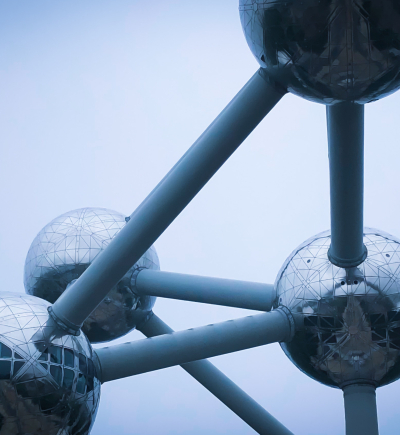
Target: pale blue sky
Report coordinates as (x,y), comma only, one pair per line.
(98,100)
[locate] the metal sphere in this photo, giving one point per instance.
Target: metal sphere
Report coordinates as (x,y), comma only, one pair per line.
(48,379)
(327,50)
(65,248)
(347,320)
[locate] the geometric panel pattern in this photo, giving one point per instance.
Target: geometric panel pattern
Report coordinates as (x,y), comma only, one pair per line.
(347,320)
(327,51)
(65,248)
(48,379)
(74,238)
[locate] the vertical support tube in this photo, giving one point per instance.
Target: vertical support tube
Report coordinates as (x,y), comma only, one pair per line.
(360,409)
(167,200)
(346,166)
(222,387)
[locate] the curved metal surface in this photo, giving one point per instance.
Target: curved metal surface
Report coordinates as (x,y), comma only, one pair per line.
(327,51)
(48,379)
(65,248)
(347,320)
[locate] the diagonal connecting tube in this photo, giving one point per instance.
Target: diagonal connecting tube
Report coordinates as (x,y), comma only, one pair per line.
(227,292)
(346,167)
(222,387)
(167,200)
(181,347)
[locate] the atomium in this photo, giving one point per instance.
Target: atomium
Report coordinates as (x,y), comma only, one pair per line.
(335,306)
(65,248)
(327,51)
(48,379)
(348,320)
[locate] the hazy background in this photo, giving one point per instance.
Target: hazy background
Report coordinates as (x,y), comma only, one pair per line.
(98,100)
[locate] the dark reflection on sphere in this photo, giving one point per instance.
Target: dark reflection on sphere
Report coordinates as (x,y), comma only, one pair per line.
(48,379)
(327,50)
(347,320)
(65,248)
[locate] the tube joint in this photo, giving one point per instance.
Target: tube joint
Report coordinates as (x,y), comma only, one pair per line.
(289,317)
(64,324)
(348,262)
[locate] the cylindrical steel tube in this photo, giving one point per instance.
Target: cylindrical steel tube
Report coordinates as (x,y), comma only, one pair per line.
(181,347)
(222,387)
(346,166)
(168,199)
(360,409)
(231,293)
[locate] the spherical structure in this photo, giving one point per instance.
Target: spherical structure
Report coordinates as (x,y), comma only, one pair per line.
(347,320)
(48,379)
(65,248)
(327,50)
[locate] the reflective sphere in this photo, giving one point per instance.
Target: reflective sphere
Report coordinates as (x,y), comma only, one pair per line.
(65,248)
(347,320)
(48,379)
(327,50)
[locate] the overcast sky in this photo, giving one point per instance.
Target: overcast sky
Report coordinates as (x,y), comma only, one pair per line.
(98,100)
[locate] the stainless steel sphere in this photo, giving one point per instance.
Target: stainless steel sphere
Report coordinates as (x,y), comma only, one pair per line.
(347,320)
(48,379)
(327,50)
(65,248)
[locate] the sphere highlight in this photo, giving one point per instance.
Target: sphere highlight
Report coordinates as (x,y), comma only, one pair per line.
(48,379)
(347,320)
(65,248)
(327,51)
